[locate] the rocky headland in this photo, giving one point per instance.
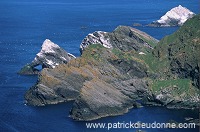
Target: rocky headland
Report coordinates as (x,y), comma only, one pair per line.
(116,69)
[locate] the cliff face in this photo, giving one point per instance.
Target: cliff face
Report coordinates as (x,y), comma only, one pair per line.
(99,99)
(50,56)
(177,16)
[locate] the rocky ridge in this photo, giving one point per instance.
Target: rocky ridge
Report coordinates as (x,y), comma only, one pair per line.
(123,38)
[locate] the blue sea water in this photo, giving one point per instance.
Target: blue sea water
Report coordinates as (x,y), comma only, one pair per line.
(25,24)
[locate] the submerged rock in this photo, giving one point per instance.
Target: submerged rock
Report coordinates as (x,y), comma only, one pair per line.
(177,16)
(137,24)
(50,56)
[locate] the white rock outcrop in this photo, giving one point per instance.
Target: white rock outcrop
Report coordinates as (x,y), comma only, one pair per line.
(98,37)
(51,55)
(177,16)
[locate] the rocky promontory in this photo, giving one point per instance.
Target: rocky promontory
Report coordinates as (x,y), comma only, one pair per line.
(107,77)
(50,56)
(99,77)
(116,70)
(177,16)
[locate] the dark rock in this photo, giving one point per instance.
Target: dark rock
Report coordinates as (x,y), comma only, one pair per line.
(132,68)
(54,87)
(99,99)
(29,69)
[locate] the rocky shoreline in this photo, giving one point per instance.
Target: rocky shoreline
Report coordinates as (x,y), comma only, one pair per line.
(115,70)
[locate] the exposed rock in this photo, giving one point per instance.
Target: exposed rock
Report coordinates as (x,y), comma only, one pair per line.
(50,56)
(28,69)
(98,37)
(102,88)
(177,16)
(180,96)
(99,99)
(130,67)
(110,77)
(57,85)
(123,37)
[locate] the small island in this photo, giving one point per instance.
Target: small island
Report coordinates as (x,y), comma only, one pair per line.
(177,16)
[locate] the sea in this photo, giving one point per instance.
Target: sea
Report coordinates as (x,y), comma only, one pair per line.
(25,24)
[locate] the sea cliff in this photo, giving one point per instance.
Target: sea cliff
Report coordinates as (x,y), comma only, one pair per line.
(116,69)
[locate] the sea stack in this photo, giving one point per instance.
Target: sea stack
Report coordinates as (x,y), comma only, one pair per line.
(50,56)
(177,16)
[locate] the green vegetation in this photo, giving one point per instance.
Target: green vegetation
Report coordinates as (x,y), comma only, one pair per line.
(179,51)
(149,41)
(186,40)
(93,51)
(176,60)
(183,84)
(179,89)
(123,55)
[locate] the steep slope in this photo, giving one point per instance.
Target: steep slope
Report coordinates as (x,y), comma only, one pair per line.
(180,51)
(176,60)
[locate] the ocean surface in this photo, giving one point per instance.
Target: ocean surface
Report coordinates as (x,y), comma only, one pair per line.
(25,24)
